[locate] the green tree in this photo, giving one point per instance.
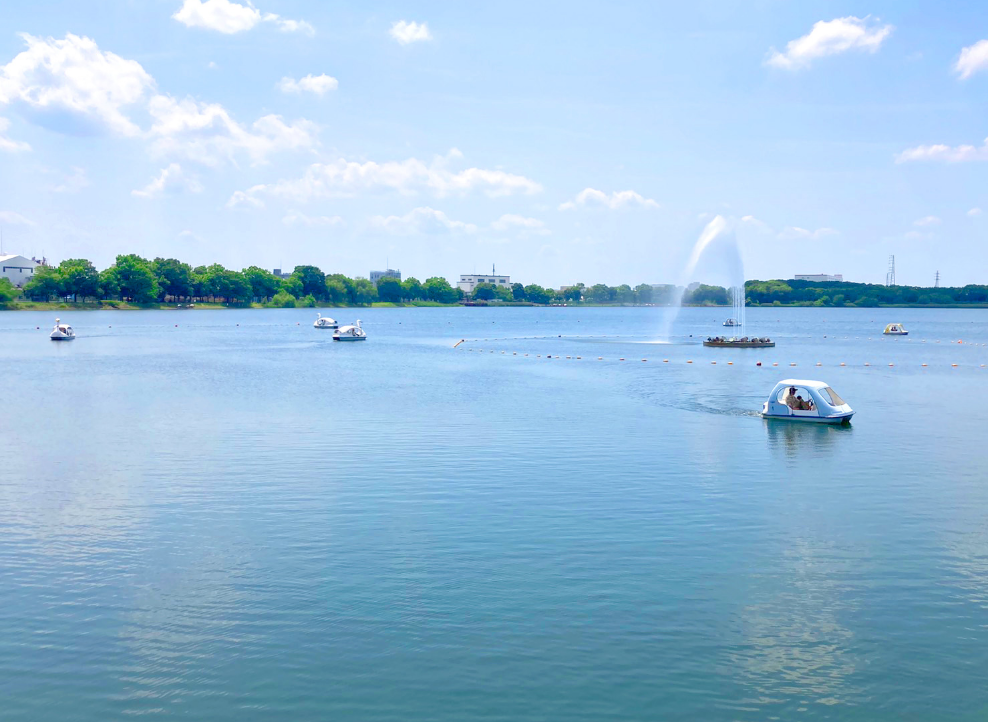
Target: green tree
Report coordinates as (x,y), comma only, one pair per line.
(599,293)
(624,294)
(293,286)
(390,289)
(364,292)
(336,292)
(109,284)
(503,293)
(412,289)
(174,278)
(8,292)
(79,278)
(135,278)
(45,284)
(313,280)
(438,289)
(347,284)
(537,294)
(282,299)
(484,291)
(307,301)
(517,292)
(574,294)
(263,284)
(643,293)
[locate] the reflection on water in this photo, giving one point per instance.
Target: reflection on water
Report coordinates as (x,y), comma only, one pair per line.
(805,439)
(235,518)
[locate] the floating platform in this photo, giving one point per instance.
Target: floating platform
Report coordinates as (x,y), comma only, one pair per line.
(727,343)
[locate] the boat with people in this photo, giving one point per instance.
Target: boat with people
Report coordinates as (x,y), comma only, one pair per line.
(350,333)
(739,342)
(325,322)
(895,329)
(804,400)
(732,322)
(62,331)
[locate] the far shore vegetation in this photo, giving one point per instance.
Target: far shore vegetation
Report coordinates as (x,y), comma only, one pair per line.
(133,282)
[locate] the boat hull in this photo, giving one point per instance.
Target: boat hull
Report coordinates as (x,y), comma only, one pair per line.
(349,338)
(63,338)
(739,344)
(833,420)
(896,333)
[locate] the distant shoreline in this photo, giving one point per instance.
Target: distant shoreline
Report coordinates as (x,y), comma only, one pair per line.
(125,306)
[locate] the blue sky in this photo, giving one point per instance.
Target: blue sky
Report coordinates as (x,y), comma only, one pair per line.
(564,141)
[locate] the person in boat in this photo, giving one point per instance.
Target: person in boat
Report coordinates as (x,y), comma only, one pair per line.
(791,399)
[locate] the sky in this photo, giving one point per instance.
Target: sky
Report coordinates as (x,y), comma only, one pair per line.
(563,142)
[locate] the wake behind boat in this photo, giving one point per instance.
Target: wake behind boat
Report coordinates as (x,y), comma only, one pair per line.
(62,332)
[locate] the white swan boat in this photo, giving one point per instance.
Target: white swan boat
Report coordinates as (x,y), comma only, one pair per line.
(62,331)
(801,400)
(732,322)
(325,322)
(350,333)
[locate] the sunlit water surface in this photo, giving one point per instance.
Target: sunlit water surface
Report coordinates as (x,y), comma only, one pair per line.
(223,515)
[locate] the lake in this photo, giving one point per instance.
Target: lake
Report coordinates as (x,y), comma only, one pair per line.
(223,515)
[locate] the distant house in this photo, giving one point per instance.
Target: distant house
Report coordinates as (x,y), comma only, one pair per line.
(469,281)
(376,276)
(277,272)
(18,269)
(820,277)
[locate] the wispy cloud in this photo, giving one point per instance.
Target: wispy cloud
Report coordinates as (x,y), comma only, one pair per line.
(944,153)
(927,221)
(615,201)
(318,84)
(15,219)
(422,220)
(297,218)
(228,17)
(974,212)
(830,38)
(524,226)
(170,179)
(9,145)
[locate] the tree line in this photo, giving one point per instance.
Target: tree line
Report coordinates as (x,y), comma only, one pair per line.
(139,280)
(867,295)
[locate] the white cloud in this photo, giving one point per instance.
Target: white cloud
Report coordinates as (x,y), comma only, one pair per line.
(207,134)
(318,84)
(973,59)
(72,76)
(614,201)
(927,221)
(73,183)
(974,212)
(526,226)
(830,38)
(793,233)
(9,145)
(296,218)
(220,15)
(945,153)
(422,220)
(344,178)
(410,32)
(755,223)
(229,17)
(243,198)
(290,26)
(171,179)
(15,219)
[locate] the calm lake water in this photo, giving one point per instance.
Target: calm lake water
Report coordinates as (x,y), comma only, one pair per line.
(206,520)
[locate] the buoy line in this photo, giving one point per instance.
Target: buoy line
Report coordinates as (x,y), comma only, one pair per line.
(758,364)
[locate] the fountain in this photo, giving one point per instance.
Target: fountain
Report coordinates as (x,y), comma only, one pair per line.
(719,232)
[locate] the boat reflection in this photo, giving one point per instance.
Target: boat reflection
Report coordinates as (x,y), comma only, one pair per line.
(801,439)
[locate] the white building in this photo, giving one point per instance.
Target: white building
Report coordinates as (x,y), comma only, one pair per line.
(820,278)
(18,269)
(469,281)
(376,276)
